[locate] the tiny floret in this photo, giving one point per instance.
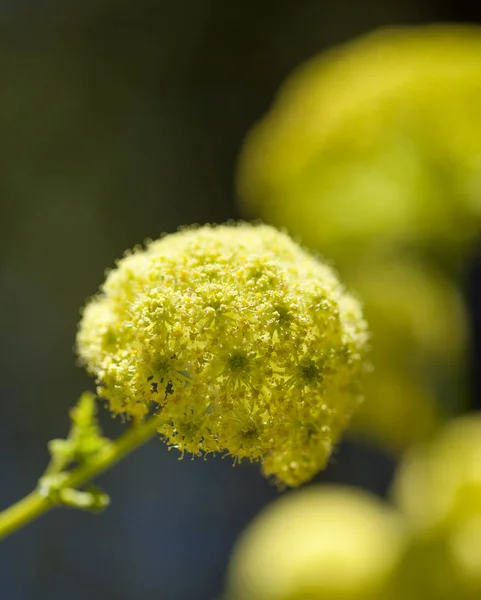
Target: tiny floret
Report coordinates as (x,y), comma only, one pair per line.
(239,340)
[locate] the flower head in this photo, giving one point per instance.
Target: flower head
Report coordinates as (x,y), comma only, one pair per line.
(245,343)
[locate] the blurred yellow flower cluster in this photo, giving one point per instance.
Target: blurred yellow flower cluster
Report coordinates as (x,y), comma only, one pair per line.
(245,343)
(339,543)
(324,542)
(371,154)
(438,489)
(418,325)
(378,141)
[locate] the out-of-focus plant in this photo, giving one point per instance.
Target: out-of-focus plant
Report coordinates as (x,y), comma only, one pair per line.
(438,489)
(375,142)
(329,542)
(371,154)
(418,329)
(228,339)
(337,543)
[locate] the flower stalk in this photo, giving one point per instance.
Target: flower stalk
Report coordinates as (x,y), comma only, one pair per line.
(48,496)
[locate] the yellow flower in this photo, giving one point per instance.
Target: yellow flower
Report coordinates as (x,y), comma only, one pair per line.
(329,542)
(371,154)
(373,142)
(438,488)
(244,342)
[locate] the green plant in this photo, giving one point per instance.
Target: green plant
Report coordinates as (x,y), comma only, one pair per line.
(223,339)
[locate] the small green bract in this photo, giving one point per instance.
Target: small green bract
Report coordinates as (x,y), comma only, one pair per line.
(242,342)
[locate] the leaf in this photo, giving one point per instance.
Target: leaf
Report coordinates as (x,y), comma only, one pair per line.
(84,440)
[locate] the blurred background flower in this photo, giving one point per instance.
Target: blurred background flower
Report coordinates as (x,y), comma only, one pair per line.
(336,542)
(438,489)
(330,542)
(376,142)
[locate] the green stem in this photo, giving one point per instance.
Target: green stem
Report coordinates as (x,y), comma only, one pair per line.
(35,504)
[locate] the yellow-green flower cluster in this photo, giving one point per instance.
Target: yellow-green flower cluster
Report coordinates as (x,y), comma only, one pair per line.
(438,488)
(245,344)
(324,542)
(374,142)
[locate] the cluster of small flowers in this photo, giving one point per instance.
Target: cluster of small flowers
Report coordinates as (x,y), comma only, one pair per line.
(244,344)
